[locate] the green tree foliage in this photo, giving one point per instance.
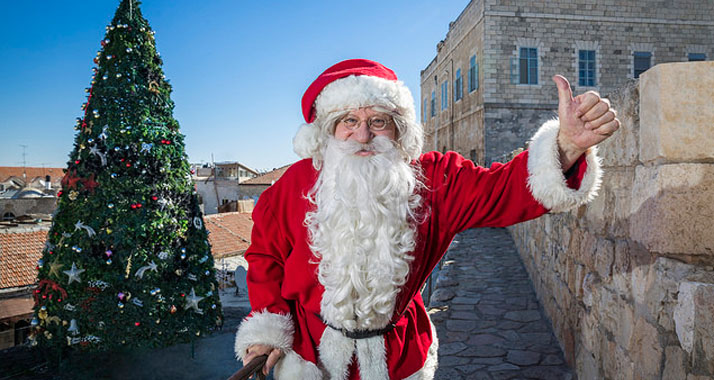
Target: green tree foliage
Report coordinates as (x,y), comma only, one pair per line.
(127,262)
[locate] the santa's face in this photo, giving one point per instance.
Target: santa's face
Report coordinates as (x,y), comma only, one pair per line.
(364,124)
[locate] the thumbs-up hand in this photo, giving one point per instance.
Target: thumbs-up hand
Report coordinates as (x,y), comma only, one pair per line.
(585,121)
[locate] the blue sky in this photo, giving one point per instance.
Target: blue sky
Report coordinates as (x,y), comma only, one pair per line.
(238,68)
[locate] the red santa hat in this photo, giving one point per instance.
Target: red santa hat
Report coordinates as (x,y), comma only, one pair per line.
(356,83)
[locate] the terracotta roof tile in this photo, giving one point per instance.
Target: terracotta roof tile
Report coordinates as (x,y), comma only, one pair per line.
(268,178)
(230,233)
(19,253)
(16,171)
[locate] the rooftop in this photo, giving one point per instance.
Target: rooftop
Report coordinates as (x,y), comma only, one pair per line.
(20,249)
(230,233)
(17,171)
(268,178)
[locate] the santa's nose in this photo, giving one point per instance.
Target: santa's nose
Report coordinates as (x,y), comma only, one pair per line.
(362,134)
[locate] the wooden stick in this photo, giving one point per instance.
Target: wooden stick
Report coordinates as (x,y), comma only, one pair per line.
(254,367)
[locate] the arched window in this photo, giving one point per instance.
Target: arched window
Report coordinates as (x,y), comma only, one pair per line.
(8,216)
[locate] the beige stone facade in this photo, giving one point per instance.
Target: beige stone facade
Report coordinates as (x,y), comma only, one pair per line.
(501,114)
(628,280)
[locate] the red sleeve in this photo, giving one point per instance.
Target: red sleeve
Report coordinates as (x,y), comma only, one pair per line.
(266,258)
(466,196)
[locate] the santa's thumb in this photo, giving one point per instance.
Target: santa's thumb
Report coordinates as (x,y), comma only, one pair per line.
(565,93)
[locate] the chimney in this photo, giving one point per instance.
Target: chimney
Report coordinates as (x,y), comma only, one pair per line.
(48,182)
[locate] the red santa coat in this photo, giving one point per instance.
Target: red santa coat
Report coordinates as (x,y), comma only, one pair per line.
(285,293)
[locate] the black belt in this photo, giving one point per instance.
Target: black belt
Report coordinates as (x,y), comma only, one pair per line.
(359,334)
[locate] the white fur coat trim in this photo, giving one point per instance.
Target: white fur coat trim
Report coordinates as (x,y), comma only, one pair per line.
(545,175)
(292,366)
(275,330)
(363,91)
(265,328)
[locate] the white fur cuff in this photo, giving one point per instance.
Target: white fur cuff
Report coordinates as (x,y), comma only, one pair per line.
(265,328)
(545,175)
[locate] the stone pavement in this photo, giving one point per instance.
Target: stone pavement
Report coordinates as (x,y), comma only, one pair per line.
(488,319)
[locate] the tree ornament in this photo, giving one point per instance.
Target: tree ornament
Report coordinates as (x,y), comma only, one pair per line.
(55,268)
(93,150)
(73,329)
(80,225)
(192,301)
(140,273)
(73,274)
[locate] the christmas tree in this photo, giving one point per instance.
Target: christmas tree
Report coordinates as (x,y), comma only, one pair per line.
(127,263)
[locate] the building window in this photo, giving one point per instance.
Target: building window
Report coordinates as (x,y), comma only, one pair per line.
(528,66)
(586,68)
(473,73)
(8,216)
(424,111)
(433,103)
(444,94)
(642,60)
(693,57)
(458,86)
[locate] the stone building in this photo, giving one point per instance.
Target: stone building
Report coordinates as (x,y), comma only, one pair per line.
(489,86)
(220,185)
(27,190)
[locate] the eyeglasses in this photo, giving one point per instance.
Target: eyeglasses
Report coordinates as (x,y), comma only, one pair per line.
(375,123)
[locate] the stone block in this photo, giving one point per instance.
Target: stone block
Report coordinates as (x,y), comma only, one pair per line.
(694,322)
(604,259)
(615,362)
(662,287)
(622,149)
(674,363)
(645,350)
(672,208)
(609,212)
(676,112)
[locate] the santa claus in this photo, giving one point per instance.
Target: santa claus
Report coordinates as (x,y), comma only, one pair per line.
(344,241)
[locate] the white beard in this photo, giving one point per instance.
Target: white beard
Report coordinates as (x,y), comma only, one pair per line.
(362,231)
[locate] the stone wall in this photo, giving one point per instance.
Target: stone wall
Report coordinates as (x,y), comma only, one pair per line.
(628,281)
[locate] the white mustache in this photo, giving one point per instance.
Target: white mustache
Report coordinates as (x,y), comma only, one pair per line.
(379,144)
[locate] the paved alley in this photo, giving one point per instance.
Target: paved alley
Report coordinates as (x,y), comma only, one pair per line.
(487,316)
